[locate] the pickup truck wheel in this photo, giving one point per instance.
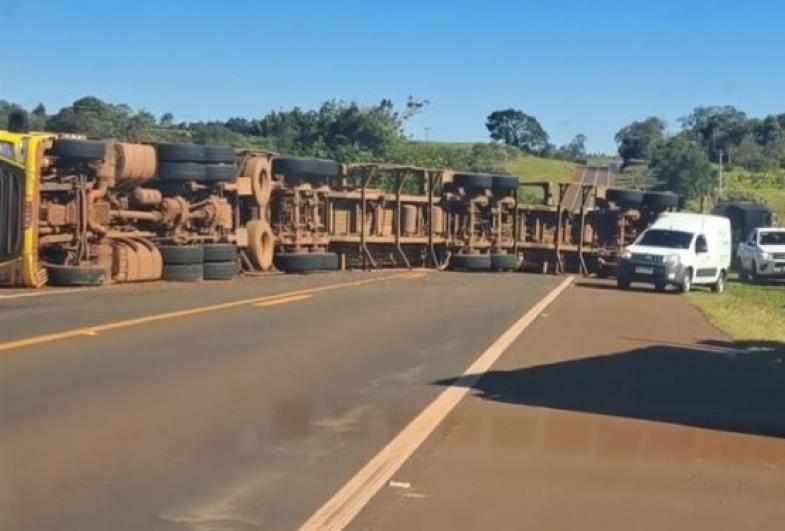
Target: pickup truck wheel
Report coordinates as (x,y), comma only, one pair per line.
(622,283)
(686,282)
(660,286)
(754,273)
(743,275)
(62,275)
(719,286)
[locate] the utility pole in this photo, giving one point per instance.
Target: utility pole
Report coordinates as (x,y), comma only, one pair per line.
(720,152)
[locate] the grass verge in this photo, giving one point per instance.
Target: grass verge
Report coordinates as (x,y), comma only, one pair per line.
(746,312)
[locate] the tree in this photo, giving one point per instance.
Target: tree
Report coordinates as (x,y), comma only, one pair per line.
(516,128)
(575,150)
(716,128)
(682,166)
(166,120)
(636,140)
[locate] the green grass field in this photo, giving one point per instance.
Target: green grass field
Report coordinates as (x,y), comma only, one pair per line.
(538,169)
(768,188)
(746,312)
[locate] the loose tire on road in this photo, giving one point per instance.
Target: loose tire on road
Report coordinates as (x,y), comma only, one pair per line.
(661,200)
(62,275)
(505,183)
(220,172)
(68,148)
(305,262)
(181,153)
(504,262)
(305,168)
(181,171)
(183,272)
(473,181)
(624,197)
(219,252)
(218,154)
(220,270)
(182,254)
(470,262)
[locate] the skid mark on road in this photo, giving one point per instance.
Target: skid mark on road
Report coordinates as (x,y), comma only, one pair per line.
(224,511)
(105,327)
(345,423)
(350,499)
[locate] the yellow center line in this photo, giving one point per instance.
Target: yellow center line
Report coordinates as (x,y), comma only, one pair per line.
(283,300)
(127,323)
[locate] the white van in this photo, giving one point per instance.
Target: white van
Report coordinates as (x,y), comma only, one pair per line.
(680,250)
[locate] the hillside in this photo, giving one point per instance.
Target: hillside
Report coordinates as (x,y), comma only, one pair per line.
(530,168)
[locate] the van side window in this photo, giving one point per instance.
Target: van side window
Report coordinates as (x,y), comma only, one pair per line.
(700,244)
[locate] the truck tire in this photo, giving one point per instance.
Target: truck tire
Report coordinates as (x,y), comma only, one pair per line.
(470,262)
(330,261)
(661,200)
(63,275)
(302,262)
(220,172)
(183,272)
(181,254)
(505,184)
(473,181)
(181,153)
(221,270)
(504,262)
(219,154)
(181,171)
(305,168)
(261,244)
(219,252)
(68,148)
(624,197)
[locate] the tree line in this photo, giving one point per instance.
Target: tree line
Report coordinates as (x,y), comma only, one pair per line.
(687,161)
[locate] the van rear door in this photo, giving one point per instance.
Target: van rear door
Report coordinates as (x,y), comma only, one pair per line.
(12,179)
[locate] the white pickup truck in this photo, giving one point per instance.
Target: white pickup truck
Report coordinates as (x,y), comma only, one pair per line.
(762,254)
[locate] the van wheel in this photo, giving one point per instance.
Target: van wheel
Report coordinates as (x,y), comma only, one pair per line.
(686,282)
(719,286)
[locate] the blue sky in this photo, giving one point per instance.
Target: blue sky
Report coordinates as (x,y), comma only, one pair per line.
(578,66)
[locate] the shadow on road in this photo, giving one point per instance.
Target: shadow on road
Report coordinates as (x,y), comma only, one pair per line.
(738,387)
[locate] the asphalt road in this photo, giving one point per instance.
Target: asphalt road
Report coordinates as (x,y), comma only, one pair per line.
(255,403)
(236,405)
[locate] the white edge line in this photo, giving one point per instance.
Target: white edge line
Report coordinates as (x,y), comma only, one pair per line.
(350,499)
(42,293)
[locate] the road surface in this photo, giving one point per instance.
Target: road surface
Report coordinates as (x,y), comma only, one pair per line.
(252,404)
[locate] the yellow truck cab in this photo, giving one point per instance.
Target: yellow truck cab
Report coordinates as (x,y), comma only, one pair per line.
(20,166)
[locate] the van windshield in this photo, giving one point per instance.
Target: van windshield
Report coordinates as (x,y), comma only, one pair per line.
(673,239)
(772,238)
